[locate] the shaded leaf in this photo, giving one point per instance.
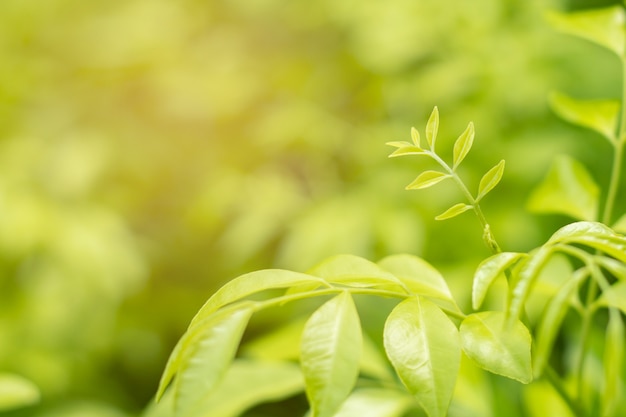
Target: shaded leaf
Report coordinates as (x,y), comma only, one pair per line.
(17,392)
(463,145)
(551,321)
(432,127)
(490,180)
(454,211)
(423,346)
(598,115)
(375,402)
(567,189)
(604,27)
(330,352)
(613,364)
(500,349)
(427,179)
(487,271)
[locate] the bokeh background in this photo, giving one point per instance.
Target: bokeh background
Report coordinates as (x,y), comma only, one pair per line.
(151,150)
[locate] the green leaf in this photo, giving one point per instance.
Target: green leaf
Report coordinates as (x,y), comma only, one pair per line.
(613,364)
(203,355)
(615,267)
(454,211)
(500,349)
(572,231)
(432,127)
(17,392)
(598,115)
(567,189)
(525,274)
(421,278)
(375,402)
(551,321)
(427,179)
(463,145)
(330,352)
(356,272)
(407,150)
(620,224)
(604,27)
(488,271)
(254,282)
(415,136)
(615,296)
(423,347)
(400,144)
(490,180)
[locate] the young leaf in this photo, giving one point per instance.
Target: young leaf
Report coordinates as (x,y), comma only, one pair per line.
(330,352)
(613,364)
(415,136)
(423,347)
(599,115)
(463,145)
(432,126)
(206,352)
(568,189)
(551,321)
(620,224)
(16,392)
(488,271)
(615,296)
(604,27)
(454,211)
(500,349)
(490,180)
(407,150)
(376,402)
(427,179)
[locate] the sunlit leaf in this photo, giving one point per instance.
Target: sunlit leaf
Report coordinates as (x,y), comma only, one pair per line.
(572,231)
(490,180)
(17,392)
(355,271)
(407,150)
(330,352)
(599,115)
(604,27)
(454,211)
(620,224)
(427,179)
(525,275)
(487,271)
(615,267)
(595,235)
(415,136)
(400,144)
(613,364)
(205,353)
(567,189)
(423,346)
(615,296)
(376,402)
(254,282)
(432,127)
(463,145)
(500,349)
(551,321)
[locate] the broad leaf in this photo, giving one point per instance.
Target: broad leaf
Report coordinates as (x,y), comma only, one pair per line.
(567,189)
(254,282)
(488,271)
(375,402)
(500,349)
(432,127)
(415,136)
(203,355)
(614,246)
(356,272)
(613,364)
(490,180)
(604,27)
(615,296)
(463,145)
(423,346)
(599,115)
(427,179)
(330,352)
(16,392)
(454,211)
(551,321)
(570,232)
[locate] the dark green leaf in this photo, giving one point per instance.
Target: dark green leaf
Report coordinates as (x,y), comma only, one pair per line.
(427,179)
(490,180)
(503,350)
(423,346)
(488,271)
(330,352)
(463,145)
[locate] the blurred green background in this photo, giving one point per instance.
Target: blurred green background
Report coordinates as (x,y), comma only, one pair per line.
(151,150)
